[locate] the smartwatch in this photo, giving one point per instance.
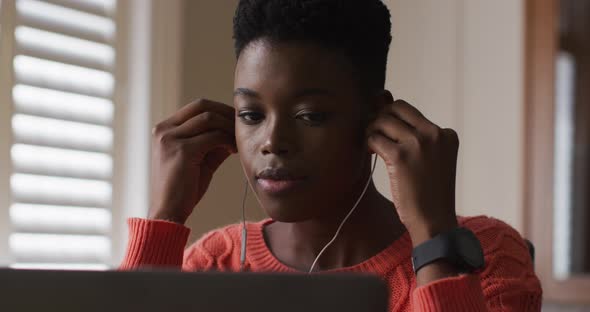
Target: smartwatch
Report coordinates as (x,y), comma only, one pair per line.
(459,247)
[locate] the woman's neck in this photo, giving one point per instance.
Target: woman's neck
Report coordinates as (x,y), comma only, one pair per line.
(372,227)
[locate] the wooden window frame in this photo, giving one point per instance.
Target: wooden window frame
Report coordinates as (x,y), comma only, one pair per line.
(540,54)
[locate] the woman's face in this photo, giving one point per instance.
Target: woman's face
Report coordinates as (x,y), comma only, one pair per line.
(299,113)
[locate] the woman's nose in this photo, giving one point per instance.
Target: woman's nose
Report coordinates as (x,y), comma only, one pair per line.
(273,149)
(278,139)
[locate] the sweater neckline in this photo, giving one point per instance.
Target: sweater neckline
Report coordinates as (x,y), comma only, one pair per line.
(262,259)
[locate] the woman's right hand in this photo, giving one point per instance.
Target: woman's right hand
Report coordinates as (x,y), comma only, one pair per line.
(187,149)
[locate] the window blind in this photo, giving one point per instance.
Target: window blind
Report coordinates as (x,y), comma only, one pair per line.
(62,96)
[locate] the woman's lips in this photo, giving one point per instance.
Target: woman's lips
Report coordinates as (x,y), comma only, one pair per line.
(276,187)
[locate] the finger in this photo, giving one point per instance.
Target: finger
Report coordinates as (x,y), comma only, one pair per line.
(409,114)
(206,142)
(203,122)
(452,137)
(213,160)
(392,127)
(387,149)
(160,128)
(197,107)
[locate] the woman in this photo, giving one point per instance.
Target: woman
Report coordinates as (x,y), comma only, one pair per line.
(309,111)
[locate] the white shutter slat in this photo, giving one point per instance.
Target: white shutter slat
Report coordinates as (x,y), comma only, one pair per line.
(55,104)
(59,133)
(53,18)
(105,8)
(30,247)
(41,160)
(63,49)
(62,93)
(60,266)
(64,77)
(27,188)
(45,219)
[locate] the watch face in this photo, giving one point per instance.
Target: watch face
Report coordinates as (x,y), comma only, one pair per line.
(470,248)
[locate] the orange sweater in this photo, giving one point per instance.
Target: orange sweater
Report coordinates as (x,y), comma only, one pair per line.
(508,282)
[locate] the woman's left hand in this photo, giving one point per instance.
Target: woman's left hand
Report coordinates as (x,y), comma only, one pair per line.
(421,160)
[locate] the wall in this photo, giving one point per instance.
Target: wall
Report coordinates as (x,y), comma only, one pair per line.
(461,63)
(458,61)
(208,73)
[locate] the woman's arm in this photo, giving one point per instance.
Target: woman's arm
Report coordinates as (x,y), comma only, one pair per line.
(154,244)
(161,245)
(507,282)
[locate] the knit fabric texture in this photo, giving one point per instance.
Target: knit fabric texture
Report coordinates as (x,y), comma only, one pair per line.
(507,282)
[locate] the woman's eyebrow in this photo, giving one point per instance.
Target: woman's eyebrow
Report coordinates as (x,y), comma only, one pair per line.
(298,94)
(246,92)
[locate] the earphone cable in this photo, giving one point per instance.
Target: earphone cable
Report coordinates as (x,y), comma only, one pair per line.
(344,220)
(244,230)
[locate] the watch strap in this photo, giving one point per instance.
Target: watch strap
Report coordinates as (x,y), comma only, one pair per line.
(439,247)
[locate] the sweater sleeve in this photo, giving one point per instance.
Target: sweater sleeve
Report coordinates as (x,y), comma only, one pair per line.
(507,283)
(154,244)
(161,244)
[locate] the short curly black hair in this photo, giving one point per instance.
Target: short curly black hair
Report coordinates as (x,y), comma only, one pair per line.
(361,29)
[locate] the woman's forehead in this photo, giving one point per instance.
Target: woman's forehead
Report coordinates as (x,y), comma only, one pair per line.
(291,68)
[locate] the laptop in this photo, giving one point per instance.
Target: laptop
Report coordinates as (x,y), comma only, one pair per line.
(147,291)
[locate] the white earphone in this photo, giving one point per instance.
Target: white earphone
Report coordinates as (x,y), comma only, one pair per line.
(245,231)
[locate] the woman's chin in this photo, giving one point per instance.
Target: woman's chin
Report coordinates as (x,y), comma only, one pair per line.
(287,214)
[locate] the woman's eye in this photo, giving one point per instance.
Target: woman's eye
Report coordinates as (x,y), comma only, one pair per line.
(313,117)
(250,116)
